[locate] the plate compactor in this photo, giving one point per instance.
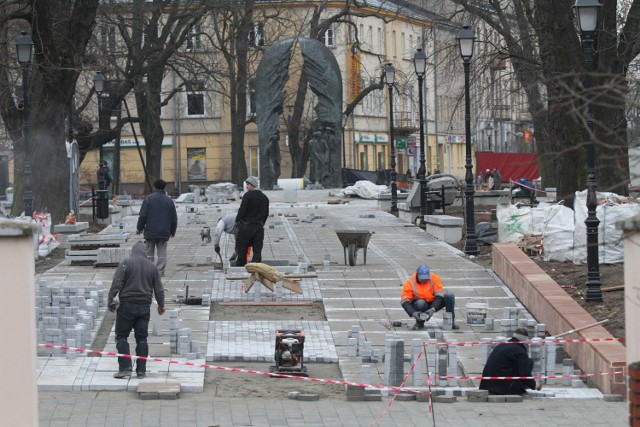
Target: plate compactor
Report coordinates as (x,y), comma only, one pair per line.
(289,353)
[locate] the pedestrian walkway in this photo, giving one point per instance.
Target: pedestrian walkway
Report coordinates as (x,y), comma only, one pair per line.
(362,299)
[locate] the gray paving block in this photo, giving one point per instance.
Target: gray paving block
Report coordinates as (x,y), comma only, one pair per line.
(308,397)
(405,397)
(477,393)
(477,399)
(496,399)
(613,398)
(513,398)
(148,396)
(445,399)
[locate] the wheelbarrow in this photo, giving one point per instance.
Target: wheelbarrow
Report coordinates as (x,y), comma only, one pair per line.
(352,240)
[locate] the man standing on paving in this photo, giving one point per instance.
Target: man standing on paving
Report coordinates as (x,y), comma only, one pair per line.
(159,220)
(136,281)
(423,294)
(251,218)
(510,360)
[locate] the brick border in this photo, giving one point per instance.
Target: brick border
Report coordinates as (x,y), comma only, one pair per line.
(550,304)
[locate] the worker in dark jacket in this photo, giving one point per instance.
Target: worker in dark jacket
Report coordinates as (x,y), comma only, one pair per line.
(135,282)
(251,218)
(510,360)
(159,220)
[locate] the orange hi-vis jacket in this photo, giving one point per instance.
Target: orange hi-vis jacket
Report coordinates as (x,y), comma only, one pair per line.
(428,291)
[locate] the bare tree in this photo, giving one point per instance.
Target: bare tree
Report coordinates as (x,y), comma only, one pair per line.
(543,44)
(60,30)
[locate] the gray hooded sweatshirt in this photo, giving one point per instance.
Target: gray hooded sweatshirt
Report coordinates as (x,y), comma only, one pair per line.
(137,279)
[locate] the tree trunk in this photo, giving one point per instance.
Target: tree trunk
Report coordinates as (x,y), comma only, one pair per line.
(148,103)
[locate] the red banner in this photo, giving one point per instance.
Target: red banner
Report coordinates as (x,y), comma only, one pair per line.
(511,165)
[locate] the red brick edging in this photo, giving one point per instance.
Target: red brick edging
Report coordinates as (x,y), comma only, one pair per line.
(551,305)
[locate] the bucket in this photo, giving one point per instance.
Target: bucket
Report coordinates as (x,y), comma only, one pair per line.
(476,313)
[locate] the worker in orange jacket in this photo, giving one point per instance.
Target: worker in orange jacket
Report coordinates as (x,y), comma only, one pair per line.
(423,294)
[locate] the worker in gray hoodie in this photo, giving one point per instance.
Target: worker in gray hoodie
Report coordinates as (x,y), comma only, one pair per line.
(226,224)
(136,281)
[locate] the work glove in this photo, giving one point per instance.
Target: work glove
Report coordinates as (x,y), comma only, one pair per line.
(112,306)
(429,314)
(217,249)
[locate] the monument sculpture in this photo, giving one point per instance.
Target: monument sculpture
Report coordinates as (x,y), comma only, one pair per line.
(325,82)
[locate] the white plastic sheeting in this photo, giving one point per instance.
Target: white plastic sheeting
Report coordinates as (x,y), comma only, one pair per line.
(364,189)
(563,231)
(611,209)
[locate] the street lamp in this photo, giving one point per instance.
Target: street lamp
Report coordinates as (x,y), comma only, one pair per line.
(344,152)
(489,130)
(98,84)
(587,12)
(420,64)
(24,46)
(390,74)
(466,38)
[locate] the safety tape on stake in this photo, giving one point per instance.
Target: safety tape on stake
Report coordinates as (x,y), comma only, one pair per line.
(312,379)
(555,341)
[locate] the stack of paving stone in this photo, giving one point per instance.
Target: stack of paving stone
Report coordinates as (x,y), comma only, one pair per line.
(180,339)
(63,315)
(111,257)
(84,248)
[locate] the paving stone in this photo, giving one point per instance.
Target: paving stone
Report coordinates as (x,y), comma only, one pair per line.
(405,397)
(496,399)
(513,398)
(613,398)
(308,397)
(445,399)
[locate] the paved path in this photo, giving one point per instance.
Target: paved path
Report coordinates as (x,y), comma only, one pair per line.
(362,298)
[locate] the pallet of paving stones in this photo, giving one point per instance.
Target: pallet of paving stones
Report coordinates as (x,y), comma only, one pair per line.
(111,257)
(83,249)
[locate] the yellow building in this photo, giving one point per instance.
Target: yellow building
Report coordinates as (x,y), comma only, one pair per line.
(196,121)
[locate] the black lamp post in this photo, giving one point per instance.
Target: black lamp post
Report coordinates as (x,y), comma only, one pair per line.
(466,38)
(98,84)
(24,46)
(587,12)
(390,74)
(420,64)
(344,152)
(489,130)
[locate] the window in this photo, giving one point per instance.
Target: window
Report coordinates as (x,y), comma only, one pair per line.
(381,158)
(194,42)
(195,98)
(329,37)
(251,97)
(256,35)
(108,38)
(254,161)
(380,42)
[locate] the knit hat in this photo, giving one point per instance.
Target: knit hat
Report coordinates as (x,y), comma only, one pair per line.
(253,181)
(424,272)
(521,334)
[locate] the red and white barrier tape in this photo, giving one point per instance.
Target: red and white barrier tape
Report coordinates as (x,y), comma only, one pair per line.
(312,379)
(557,341)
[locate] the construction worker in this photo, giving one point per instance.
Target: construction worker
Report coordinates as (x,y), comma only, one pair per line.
(251,217)
(423,294)
(510,359)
